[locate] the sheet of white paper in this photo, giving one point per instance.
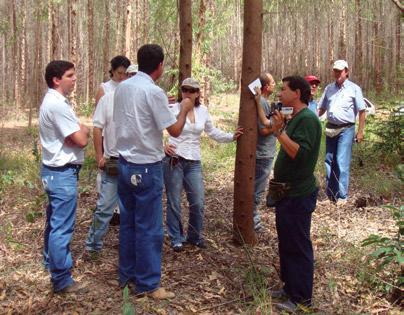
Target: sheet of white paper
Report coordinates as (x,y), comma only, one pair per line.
(254,84)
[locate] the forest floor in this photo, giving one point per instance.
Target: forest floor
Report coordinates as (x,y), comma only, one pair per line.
(221,279)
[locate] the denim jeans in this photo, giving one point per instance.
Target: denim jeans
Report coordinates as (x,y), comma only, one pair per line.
(337,163)
(106,203)
(185,174)
(140,191)
(262,171)
(60,184)
(293,223)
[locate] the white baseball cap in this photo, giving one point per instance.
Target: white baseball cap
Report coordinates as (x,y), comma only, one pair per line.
(340,65)
(132,69)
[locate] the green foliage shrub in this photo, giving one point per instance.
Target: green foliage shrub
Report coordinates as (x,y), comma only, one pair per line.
(388,256)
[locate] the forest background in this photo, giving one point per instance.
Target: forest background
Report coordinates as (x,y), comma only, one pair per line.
(299,36)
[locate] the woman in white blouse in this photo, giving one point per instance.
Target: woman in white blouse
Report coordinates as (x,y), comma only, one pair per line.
(183,170)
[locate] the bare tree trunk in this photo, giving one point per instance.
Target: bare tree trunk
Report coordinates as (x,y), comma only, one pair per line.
(398,51)
(358,41)
(243,226)
(90,60)
(342,32)
(128,29)
(377,53)
(331,35)
(16,78)
(185,63)
(105,49)
(37,67)
(72,38)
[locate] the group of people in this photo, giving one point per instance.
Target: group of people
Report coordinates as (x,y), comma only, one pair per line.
(130,116)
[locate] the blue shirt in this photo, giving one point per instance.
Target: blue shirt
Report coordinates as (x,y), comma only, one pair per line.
(266,145)
(313,106)
(342,103)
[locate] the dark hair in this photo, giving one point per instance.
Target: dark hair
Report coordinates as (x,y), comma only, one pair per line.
(56,68)
(149,57)
(299,83)
(118,61)
(197,100)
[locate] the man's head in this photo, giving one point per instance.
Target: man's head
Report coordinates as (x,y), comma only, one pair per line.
(295,90)
(341,71)
(314,83)
(150,58)
(61,76)
(267,84)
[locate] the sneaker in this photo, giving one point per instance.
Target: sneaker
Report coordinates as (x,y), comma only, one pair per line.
(341,202)
(287,306)
(178,247)
(278,294)
(75,288)
(161,294)
(201,244)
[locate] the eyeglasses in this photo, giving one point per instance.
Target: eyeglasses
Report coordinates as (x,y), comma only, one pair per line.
(188,90)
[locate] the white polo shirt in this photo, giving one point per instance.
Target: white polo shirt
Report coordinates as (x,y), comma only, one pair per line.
(57,121)
(141,114)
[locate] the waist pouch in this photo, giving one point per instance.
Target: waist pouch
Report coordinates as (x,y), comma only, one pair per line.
(332,130)
(111,167)
(276,192)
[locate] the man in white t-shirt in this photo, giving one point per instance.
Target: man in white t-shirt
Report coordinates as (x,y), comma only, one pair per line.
(141,114)
(63,139)
(107,162)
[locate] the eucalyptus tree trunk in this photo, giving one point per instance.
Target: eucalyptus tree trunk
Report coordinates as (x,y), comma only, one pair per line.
(243,226)
(185,63)
(90,52)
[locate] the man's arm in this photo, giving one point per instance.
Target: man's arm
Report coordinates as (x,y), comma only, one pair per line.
(291,148)
(78,138)
(175,129)
(97,140)
(361,126)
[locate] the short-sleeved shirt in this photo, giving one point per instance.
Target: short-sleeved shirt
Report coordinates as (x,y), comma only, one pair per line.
(109,86)
(304,129)
(313,106)
(140,115)
(188,144)
(57,121)
(102,119)
(342,103)
(266,145)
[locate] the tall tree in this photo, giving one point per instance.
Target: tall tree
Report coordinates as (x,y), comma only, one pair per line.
(128,29)
(246,145)
(185,63)
(106,42)
(90,56)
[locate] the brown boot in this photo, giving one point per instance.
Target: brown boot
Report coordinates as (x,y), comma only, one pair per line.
(161,294)
(75,288)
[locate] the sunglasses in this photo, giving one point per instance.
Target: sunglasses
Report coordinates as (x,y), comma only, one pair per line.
(188,90)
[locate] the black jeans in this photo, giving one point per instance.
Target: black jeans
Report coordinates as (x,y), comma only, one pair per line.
(293,222)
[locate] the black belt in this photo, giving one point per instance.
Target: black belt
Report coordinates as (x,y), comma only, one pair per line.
(68,165)
(114,158)
(334,126)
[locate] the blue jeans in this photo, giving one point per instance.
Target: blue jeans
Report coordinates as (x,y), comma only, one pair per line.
(337,163)
(293,223)
(140,190)
(185,174)
(60,184)
(262,171)
(106,203)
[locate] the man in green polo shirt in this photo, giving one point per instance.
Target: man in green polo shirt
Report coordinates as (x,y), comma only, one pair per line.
(300,142)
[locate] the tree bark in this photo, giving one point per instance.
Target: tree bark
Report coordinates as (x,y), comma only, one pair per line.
(358,41)
(243,226)
(185,62)
(105,49)
(90,57)
(72,38)
(128,29)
